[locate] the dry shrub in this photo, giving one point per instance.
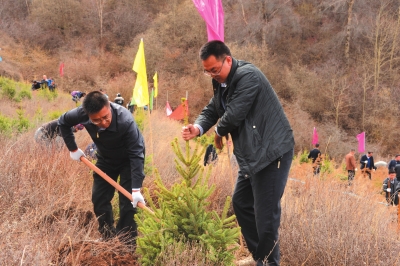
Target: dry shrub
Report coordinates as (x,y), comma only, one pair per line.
(324,223)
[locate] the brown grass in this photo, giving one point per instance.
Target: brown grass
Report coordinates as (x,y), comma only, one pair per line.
(47,212)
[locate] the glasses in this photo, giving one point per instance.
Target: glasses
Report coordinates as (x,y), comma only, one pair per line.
(106,118)
(213,73)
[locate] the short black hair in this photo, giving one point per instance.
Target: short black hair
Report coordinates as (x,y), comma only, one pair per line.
(215,48)
(392,171)
(94,102)
(397,155)
(317,145)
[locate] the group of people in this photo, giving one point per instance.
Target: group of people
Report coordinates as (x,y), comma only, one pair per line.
(44,83)
(391,185)
(244,105)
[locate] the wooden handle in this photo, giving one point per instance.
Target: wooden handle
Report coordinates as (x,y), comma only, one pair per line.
(113,183)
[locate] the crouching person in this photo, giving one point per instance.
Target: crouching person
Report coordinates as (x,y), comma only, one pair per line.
(391,188)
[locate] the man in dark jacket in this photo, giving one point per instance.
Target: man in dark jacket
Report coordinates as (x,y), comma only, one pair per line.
(391,188)
(367,164)
(246,106)
(120,152)
(315,156)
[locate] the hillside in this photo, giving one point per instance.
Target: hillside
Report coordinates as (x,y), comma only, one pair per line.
(334,64)
(48,219)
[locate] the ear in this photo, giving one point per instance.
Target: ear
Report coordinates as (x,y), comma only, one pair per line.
(228,60)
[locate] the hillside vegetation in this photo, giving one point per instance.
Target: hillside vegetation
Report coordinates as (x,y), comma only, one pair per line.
(334,64)
(47,218)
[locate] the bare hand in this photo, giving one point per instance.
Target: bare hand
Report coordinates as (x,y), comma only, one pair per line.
(218,142)
(188,132)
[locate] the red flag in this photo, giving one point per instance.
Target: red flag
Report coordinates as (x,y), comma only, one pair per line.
(361,142)
(61,69)
(168,109)
(315,136)
(180,111)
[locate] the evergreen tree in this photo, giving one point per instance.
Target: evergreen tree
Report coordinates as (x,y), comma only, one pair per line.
(181,215)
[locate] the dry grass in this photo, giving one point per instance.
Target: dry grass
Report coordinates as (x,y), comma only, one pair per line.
(47,213)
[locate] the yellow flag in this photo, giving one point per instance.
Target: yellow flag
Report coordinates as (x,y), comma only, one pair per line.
(155,85)
(140,91)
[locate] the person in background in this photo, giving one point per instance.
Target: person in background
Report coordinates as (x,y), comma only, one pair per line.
(246,106)
(367,164)
(44,82)
(49,134)
(131,106)
(119,100)
(120,153)
(391,188)
(350,165)
(77,95)
(395,165)
(315,156)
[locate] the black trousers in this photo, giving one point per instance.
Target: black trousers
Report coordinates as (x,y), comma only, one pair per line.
(102,194)
(257,205)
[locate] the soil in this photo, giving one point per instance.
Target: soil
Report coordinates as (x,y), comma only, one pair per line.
(96,253)
(81,217)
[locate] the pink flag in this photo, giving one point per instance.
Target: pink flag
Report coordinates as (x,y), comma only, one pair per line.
(361,142)
(314,136)
(168,109)
(213,14)
(61,69)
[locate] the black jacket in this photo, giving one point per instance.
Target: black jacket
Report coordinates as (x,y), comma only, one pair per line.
(314,154)
(254,117)
(365,158)
(121,141)
(395,187)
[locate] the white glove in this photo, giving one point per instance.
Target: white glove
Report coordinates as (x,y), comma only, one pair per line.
(373,170)
(76,155)
(389,190)
(366,161)
(137,197)
(355,169)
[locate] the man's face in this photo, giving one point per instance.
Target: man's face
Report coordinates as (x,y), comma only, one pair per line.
(217,69)
(392,176)
(397,158)
(102,118)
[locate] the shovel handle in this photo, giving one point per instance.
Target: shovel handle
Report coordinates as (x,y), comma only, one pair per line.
(113,183)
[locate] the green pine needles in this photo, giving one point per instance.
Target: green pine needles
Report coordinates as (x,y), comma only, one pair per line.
(181,216)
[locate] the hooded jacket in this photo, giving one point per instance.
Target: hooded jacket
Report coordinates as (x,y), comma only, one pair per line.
(253,115)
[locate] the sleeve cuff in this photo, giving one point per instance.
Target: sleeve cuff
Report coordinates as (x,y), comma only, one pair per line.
(200,128)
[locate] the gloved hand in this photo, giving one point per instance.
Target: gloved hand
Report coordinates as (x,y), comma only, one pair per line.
(389,189)
(137,197)
(366,161)
(77,154)
(373,169)
(355,169)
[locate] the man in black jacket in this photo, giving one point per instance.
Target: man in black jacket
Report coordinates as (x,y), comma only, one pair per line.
(120,152)
(314,155)
(246,106)
(367,164)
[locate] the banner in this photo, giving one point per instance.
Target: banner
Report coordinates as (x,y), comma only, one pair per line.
(180,111)
(151,99)
(361,142)
(315,136)
(213,14)
(168,109)
(155,78)
(61,69)
(140,91)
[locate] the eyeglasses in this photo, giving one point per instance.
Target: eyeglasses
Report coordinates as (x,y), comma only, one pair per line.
(106,118)
(208,73)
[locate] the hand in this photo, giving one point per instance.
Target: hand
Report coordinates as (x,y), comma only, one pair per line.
(218,142)
(355,169)
(389,190)
(366,161)
(188,132)
(137,197)
(77,154)
(373,169)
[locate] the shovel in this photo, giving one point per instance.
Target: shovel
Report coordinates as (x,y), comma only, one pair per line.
(113,183)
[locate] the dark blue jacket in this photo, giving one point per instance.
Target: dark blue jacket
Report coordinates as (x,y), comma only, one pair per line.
(121,141)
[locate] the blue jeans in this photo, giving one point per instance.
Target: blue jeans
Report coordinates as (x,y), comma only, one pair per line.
(257,205)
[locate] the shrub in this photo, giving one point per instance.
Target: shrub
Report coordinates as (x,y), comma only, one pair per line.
(304,157)
(24,94)
(47,94)
(8,90)
(5,125)
(22,123)
(182,217)
(54,114)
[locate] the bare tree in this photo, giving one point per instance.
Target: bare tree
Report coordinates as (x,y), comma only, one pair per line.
(348,29)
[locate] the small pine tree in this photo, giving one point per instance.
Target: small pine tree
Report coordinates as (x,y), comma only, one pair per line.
(181,215)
